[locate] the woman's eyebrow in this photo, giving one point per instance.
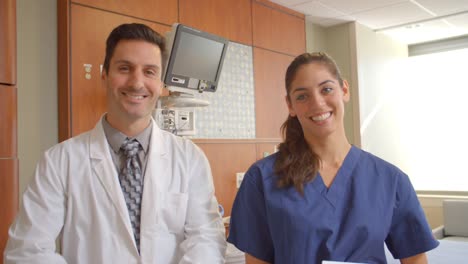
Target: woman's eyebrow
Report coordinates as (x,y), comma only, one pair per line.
(326,81)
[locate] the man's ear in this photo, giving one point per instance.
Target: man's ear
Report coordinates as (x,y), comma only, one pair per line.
(103,75)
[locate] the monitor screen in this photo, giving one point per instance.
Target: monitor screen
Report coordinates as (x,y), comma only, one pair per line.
(198,57)
(195,59)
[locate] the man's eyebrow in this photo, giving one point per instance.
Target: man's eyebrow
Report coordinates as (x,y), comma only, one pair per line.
(129,62)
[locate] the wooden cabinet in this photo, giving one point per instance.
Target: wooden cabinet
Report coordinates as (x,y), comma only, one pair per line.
(226,159)
(9,197)
(277,30)
(270,106)
(162,11)
(8,125)
(8,42)
(8,120)
(264,149)
(230,19)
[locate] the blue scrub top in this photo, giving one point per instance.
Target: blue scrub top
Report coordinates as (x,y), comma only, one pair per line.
(369,202)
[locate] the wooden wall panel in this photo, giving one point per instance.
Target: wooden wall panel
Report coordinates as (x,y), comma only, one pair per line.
(270,105)
(89,30)
(8,41)
(162,11)
(280,8)
(226,159)
(265,149)
(277,30)
(9,197)
(8,124)
(63,71)
(229,19)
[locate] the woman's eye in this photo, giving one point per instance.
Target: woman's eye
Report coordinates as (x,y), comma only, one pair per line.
(301,97)
(327,90)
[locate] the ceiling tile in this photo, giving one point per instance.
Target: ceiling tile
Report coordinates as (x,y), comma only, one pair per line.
(385,17)
(327,22)
(427,31)
(444,7)
(350,7)
(460,21)
(289,3)
(318,10)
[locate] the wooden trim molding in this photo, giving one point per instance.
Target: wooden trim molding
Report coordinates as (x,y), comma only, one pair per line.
(8,42)
(63,71)
(9,197)
(280,8)
(8,125)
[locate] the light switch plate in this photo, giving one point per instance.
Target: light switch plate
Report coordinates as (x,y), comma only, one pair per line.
(239,178)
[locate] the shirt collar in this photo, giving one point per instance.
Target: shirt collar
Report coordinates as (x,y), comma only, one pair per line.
(116,138)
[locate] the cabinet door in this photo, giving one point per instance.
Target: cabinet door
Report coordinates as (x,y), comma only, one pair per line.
(226,159)
(162,11)
(265,149)
(8,125)
(9,197)
(278,30)
(230,19)
(89,30)
(270,106)
(8,41)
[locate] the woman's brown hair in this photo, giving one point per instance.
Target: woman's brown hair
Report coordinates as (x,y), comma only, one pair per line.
(297,164)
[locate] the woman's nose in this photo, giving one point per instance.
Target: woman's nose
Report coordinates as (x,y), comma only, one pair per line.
(318,100)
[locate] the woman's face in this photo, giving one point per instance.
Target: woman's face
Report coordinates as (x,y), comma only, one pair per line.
(317,99)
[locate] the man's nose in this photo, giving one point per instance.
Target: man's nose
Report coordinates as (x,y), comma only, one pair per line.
(136,80)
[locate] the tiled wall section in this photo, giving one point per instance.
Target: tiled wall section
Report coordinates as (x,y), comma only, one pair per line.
(231,113)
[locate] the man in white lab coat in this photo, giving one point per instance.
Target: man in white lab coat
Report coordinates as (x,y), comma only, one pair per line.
(76,192)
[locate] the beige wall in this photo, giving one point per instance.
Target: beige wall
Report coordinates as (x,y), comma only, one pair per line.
(315,37)
(37,83)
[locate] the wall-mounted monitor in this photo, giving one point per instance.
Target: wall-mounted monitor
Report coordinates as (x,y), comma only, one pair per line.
(195,60)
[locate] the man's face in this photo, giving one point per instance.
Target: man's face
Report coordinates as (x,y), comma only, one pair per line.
(133,83)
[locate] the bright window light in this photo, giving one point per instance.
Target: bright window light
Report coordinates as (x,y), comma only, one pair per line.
(431,113)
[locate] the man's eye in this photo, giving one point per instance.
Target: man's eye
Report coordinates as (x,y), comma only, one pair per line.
(151,72)
(123,68)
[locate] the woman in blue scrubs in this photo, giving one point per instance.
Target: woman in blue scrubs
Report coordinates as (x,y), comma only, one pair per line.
(319,197)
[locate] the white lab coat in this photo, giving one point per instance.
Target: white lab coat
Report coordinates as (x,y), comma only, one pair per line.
(76,194)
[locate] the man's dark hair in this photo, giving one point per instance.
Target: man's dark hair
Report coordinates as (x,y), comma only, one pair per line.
(133,31)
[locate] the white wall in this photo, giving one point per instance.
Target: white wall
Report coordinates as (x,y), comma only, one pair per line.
(379,74)
(37,83)
(337,41)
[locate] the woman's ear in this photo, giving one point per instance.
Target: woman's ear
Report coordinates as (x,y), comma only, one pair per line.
(346,93)
(291,110)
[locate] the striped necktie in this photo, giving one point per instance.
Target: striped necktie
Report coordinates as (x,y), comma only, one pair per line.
(131,182)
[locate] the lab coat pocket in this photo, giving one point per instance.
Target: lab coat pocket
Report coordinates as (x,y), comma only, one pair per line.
(174,210)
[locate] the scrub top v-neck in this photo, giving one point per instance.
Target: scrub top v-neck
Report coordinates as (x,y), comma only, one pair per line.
(369,202)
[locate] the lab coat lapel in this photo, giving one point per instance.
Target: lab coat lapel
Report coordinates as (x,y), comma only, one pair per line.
(104,169)
(156,176)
